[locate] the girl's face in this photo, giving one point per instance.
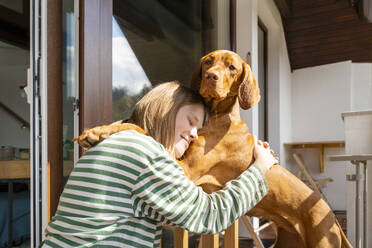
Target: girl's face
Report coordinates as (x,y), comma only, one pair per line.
(189,119)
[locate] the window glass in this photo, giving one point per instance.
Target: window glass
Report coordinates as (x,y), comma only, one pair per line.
(14,145)
(69,95)
(262,82)
(160,41)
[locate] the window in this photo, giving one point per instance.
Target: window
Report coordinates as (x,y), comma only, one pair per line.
(160,41)
(262,81)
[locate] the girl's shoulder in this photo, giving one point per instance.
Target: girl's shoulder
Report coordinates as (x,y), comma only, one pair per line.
(136,138)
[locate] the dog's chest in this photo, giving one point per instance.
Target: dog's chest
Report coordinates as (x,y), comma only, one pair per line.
(227,148)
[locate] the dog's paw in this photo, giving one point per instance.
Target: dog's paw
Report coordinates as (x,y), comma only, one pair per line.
(92,136)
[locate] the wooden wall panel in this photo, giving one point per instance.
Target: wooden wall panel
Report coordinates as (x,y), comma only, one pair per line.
(321,32)
(95,62)
(54,108)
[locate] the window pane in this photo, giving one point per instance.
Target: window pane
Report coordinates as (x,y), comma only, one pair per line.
(14,144)
(262,79)
(68,84)
(160,41)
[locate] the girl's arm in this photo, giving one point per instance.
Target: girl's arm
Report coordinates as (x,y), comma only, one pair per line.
(163,192)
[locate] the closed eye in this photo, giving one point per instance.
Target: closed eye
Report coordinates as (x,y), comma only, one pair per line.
(193,121)
(190,121)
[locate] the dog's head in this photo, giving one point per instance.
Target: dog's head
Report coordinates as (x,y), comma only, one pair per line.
(223,74)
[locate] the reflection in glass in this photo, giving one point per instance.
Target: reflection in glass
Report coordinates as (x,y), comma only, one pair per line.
(160,41)
(129,81)
(14,145)
(68,83)
(262,81)
(15,5)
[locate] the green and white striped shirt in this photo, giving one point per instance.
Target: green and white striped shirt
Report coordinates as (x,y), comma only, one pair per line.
(122,190)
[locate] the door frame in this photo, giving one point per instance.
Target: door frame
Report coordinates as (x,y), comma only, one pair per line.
(95,63)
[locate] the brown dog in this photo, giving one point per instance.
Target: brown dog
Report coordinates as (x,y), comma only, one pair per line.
(224,150)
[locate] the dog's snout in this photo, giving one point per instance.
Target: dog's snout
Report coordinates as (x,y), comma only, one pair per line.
(211,75)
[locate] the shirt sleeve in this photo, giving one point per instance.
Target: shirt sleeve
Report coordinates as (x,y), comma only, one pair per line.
(162,190)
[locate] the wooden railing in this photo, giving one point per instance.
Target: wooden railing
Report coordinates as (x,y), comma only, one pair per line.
(231,237)
(15,115)
(231,240)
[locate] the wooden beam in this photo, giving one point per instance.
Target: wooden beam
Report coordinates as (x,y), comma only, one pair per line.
(340,33)
(181,238)
(327,56)
(319,20)
(95,63)
(15,36)
(284,8)
(347,48)
(15,115)
(317,145)
(320,9)
(322,32)
(301,164)
(14,18)
(54,104)
(139,22)
(254,236)
(20,169)
(231,238)
(295,65)
(210,241)
(306,4)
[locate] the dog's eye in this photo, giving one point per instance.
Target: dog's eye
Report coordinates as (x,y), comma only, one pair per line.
(208,62)
(231,67)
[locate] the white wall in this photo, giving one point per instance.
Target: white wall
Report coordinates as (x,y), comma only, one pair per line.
(361,99)
(279,73)
(361,86)
(319,96)
(279,79)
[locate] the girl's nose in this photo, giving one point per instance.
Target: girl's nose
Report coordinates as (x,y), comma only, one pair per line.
(194,133)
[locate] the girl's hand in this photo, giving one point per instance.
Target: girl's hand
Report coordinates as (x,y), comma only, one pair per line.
(264,156)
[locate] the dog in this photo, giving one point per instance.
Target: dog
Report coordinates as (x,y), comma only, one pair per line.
(224,150)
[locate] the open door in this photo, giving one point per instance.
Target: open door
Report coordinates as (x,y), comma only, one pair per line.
(55,105)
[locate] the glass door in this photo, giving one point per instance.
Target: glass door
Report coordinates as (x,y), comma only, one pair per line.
(15,124)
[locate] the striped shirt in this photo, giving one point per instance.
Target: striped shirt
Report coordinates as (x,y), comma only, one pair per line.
(122,190)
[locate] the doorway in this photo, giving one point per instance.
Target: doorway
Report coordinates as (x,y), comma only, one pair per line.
(15,124)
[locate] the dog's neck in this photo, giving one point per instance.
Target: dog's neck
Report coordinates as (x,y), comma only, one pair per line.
(229,108)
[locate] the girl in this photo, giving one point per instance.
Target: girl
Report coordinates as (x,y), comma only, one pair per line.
(122,190)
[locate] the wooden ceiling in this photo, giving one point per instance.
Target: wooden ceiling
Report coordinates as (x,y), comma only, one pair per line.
(321,32)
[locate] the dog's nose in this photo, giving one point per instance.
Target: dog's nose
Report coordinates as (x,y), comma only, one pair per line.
(211,75)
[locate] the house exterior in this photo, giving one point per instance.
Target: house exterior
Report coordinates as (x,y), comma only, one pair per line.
(87,61)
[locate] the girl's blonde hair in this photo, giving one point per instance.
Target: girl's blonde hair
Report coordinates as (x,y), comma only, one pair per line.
(156,111)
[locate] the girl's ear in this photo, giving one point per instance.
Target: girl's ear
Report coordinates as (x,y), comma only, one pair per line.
(249,92)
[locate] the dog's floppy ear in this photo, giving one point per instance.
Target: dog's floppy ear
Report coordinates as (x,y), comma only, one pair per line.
(249,92)
(196,78)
